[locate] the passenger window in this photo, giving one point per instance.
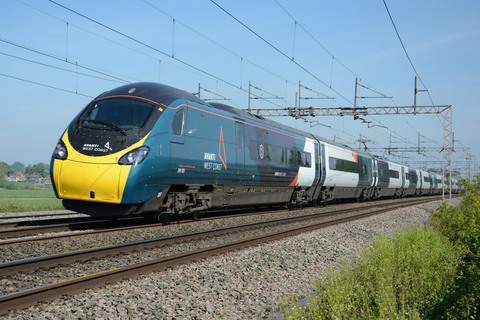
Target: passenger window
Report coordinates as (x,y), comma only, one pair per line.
(240,136)
(269,153)
(299,158)
(306,159)
(177,123)
(280,156)
(291,156)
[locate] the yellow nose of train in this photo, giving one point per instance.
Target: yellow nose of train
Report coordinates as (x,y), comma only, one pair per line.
(87,178)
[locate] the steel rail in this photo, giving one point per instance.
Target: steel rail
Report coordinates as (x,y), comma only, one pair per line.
(23,216)
(114,229)
(45,222)
(27,228)
(30,297)
(29,264)
(77,224)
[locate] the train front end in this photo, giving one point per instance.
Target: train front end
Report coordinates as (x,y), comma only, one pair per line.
(96,167)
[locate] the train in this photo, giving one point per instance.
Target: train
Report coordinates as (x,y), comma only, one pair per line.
(154,150)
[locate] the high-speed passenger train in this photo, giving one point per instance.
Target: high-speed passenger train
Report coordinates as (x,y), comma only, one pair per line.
(151,149)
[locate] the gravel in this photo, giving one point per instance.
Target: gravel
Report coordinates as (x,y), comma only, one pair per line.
(37,215)
(246,284)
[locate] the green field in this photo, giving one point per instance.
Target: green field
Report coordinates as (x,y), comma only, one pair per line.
(31,193)
(28,200)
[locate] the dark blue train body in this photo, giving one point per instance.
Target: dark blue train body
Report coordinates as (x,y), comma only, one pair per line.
(147,148)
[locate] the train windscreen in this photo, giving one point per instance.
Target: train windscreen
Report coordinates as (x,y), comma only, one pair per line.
(117,114)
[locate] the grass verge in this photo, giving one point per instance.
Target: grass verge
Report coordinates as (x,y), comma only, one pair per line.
(431,272)
(23,205)
(30,193)
(395,278)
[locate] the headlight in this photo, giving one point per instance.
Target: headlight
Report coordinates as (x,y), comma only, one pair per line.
(60,151)
(135,156)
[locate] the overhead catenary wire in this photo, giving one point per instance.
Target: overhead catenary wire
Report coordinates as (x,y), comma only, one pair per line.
(45,85)
(151,47)
(69,25)
(144,44)
(370,87)
(60,59)
(286,56)
(280,51)
(177,24)
(262,38)
(63,69)
(216,43)
(77,64)
(297,23)
(405,50)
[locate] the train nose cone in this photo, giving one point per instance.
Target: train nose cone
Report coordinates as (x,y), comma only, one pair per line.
(92,181)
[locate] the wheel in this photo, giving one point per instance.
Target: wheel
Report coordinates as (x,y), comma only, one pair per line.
(195,215)
(165,217)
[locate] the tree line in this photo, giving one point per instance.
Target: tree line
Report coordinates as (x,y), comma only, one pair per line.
(41,169)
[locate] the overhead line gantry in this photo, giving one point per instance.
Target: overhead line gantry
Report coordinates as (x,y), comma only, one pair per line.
(357,112)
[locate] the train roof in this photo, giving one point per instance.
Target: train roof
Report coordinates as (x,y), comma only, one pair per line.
(157,92)
(165,94)
(275,124)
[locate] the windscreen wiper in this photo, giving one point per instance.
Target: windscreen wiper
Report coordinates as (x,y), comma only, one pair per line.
(108,124)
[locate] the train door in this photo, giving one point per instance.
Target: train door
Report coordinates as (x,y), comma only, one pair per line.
(402,177)
(374,173)
(323,164)
(240,152)
(319,172)
(365,174)
(318,163)
(178,153)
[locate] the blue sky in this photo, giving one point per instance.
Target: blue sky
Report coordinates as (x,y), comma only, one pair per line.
(76,59)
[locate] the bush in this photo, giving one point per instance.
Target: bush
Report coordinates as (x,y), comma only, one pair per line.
(461,224)
(4,184)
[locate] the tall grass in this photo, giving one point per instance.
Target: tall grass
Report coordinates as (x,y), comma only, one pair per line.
(423,273)
(399,278)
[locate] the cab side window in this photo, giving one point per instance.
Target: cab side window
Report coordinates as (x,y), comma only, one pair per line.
(178,122)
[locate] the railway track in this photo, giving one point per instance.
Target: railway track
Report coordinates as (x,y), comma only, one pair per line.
(36,215)
(17,230)
(34,230)
(98,277)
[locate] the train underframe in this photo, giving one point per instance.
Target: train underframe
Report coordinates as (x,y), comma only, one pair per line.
(192,199)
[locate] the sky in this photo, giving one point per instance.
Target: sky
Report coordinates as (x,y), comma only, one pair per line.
(56,56)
